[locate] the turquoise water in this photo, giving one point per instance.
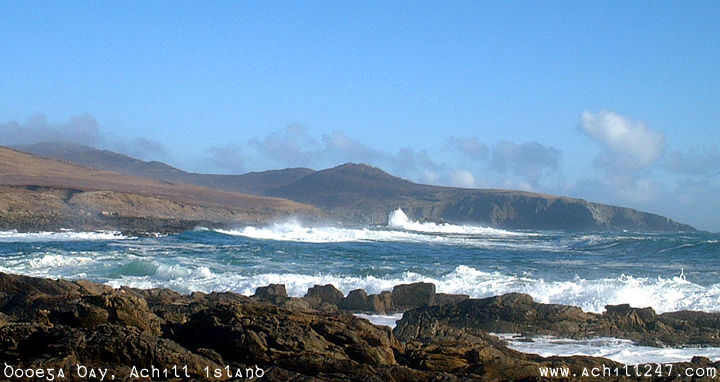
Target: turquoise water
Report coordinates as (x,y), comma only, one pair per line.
(665,271)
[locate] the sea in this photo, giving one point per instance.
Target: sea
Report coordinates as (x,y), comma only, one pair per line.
(665,271)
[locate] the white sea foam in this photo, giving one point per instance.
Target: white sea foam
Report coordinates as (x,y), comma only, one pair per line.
(663,294)
(14,236)
(52,261)
(399,229)
(398,219)
(591,295)
(382,319)
(620,350)
(294,231)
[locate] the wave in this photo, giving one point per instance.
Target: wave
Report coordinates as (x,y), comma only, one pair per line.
(14,236)
(294,231)
(398,219)
(49,261)
(620,350)
(186,275)
(399,229)
(661,294)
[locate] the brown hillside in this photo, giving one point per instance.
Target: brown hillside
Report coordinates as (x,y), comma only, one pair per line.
(31,182)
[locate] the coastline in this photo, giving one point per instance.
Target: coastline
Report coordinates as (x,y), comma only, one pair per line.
(61,324)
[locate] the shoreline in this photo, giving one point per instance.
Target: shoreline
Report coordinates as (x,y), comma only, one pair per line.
(57,323)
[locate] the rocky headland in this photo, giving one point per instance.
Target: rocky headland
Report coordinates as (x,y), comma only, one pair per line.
(351,194)
(129,333)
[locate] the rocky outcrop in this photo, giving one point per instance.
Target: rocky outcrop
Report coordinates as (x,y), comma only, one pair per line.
(402,298)
(272,292)
(324,296)
(59,325)
(518,313)
(409,296)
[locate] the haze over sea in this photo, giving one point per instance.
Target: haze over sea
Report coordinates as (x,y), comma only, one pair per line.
(667,271)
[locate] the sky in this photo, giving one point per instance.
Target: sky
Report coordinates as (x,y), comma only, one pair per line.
(613,102)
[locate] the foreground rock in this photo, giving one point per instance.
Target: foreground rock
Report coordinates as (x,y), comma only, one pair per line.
(326,297)
(518,313)
(61,324)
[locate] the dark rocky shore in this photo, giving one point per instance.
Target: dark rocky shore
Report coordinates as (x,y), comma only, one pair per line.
(131,333)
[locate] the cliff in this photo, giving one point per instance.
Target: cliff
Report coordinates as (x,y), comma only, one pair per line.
(361,194)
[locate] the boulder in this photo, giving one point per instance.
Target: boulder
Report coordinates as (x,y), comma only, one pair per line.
(359,301)
(409,296)
(382,303)
(272,292)
(323,294)
(356,301)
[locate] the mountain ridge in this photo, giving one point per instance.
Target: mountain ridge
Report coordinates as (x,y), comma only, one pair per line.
(39,193)
(492,207)
(360,194)
(109,160)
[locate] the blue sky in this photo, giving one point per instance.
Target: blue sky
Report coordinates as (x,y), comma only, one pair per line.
(614,102)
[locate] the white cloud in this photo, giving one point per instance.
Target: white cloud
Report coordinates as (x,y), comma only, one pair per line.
(696,162)
(469,147)
(292,146)
(628,143)
(81,129)
(339,147)
(630,148)
(228,158)
(528,160)
(462,178)
(531,162)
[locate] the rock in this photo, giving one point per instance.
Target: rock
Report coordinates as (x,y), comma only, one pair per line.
(294,303)
(445,298)
(272,292)
(323,294)
(267,334)
(359,301)
(381,303)
(59,324)
(518,313)
(409,296)
(356,301)
(93,288)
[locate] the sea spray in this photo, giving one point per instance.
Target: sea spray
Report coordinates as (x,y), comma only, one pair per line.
(399,220)
(13,236)
(667,272)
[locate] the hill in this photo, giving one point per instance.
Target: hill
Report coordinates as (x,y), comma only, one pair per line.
(39,193)
(256,183)
(361,194)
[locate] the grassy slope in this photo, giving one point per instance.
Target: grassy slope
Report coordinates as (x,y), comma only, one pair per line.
(45,189)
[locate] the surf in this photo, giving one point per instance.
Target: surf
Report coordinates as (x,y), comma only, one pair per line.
(399,229)
(13,236)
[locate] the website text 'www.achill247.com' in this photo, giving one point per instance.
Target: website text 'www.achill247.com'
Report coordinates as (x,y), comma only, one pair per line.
(631,371)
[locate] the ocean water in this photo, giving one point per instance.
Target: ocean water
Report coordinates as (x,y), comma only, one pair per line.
(668,272)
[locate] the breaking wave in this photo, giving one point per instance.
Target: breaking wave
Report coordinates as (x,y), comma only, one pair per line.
(294,231)
(398,219)
(661,294)
(14,236)
(399,228)
(620,350)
